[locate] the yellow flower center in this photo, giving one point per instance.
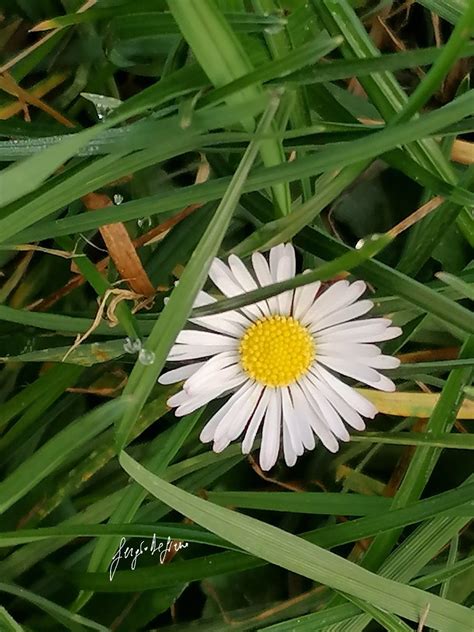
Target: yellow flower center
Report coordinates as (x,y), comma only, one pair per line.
(276,350)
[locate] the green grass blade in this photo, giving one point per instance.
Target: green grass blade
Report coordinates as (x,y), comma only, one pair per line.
(328,270)
(465,289)
(175,313)
(454,502)
(58,451)
(164,452)
(391,281)
(332,157)
(223,58)
(448,56)
(65,617)
(8,623)
(291,552)
(450,10)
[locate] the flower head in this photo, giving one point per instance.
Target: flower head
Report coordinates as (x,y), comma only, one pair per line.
(280,360)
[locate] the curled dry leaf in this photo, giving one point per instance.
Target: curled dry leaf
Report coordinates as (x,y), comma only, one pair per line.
(121,248)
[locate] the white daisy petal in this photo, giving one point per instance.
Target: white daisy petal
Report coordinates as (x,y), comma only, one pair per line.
(342,315)
(325,410)
(351,368)
(196,401)
(177,399)
(378,324)
(290,424)
(255,422)
(246,281)
(221,445)
(382,362)
(288,449)
(324,304)
(191,352)
(286,270)
(290,253)
(304,428)
(223,278)
(262,272)
(207,433)
(203,298)
(271,432)
(382,384)
(336,297)
(181,373)
(347,349)
(217,323)
(349,414)
(195,337)
(304,298)
(233,423)
(388,334)
(216,370)
(276,254)
(320,429)
(367,333)
(352,397)
(282,267)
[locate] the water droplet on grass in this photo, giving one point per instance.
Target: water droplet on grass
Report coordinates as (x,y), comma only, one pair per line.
(132,345)
(146,357)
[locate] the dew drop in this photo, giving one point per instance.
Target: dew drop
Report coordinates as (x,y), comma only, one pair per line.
(274,29)
(144,222)
(103,103)
(146,357)
(362,242)
(118,199)
(132,345)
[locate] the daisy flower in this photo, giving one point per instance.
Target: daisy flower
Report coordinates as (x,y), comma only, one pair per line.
(281,360)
